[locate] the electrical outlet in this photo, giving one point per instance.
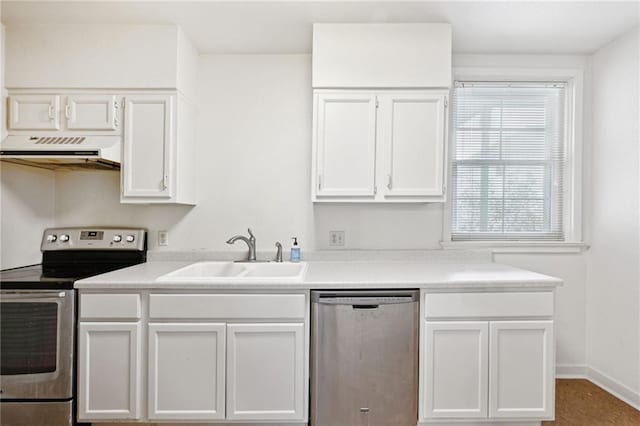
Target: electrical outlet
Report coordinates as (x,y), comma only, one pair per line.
(163,238)
(336,238)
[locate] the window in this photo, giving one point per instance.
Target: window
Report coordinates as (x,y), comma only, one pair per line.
(508,161)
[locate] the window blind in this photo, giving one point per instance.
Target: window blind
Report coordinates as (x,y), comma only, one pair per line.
(508,161)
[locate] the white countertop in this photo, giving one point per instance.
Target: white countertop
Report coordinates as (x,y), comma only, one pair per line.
(341,275)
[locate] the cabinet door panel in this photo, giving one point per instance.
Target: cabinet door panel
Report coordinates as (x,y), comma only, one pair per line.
(147,146)
(345,144)
(522,369)
(455,369)
(91,112)
(413,134)
(34,112)
(186,371)
(265,372)
(109,371)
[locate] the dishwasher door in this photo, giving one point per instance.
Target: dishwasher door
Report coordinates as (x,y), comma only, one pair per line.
(364,358)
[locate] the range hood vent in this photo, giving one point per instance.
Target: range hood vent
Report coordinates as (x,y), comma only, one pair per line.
(63,152)
(66,140)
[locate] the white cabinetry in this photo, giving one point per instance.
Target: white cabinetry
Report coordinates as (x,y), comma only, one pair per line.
(265,370)
(346,144)
(412,130)
(34,112)
(211,357)
(379,146)
(186,371)
(109,370)
(92,112)
(456,369)
(481,362)
(155,169)
(521,383)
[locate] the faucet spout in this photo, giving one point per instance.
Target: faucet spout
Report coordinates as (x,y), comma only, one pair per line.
(251,243)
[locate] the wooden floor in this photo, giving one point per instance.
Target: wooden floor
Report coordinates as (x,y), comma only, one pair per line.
(580,402)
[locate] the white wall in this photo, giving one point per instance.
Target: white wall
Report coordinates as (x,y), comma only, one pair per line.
(613,274)
(26,200)
(26,209)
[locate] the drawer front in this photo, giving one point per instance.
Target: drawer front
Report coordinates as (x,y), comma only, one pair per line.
(110,306)
(227,306)
(488,305)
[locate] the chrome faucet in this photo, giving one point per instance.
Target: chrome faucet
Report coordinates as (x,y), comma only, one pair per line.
(279,252)
(251,243)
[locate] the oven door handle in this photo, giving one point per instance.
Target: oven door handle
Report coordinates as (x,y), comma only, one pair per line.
(32,295)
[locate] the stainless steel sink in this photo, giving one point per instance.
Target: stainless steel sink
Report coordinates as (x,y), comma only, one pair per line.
(232,272)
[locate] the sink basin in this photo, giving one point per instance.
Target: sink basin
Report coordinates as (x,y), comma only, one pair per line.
(203,270)
(275,270)
(237,273)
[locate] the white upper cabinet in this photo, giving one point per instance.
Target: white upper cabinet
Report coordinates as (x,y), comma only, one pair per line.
(379,146)
(148,135)
(155,168)
(66,113)
(34,112)
(381,55)
(345,144)
(413,128)
(92,112)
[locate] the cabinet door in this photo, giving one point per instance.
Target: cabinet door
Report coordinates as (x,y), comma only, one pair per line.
(34,112)
(522,369)
(265,372)
(109,371)
(412,132)
(91,112)
(345,134)
(455,369)
(148,134)
(186,371)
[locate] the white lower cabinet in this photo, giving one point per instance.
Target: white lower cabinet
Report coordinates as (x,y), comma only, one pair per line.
(186,371)
(209,357)
(521,383)
(456,373)
(479,362)
(265,371)
(109,370)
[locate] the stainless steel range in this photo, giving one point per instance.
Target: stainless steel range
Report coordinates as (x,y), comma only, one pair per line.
(38,320)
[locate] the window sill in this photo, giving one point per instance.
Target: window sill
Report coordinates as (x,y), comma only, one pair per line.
(518,246)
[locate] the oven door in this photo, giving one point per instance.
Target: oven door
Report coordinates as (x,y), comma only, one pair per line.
(37,341)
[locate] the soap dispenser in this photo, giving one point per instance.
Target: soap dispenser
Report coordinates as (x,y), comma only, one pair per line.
(295,250)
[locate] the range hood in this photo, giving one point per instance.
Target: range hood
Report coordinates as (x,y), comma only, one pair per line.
(63,152)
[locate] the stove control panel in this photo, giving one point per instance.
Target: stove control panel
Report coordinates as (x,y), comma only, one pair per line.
(94,238)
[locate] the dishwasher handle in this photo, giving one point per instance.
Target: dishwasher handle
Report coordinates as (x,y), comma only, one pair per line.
(365,299)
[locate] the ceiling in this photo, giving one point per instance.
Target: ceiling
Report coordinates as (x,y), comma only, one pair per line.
(551,27)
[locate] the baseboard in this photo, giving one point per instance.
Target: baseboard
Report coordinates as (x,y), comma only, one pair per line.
(614,387)
(571,371)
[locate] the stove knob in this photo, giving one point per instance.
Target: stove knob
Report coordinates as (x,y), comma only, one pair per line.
(51,238)
(64,238)
(117,238)
(130,238)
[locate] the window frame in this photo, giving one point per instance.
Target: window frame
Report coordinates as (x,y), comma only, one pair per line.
(572,191)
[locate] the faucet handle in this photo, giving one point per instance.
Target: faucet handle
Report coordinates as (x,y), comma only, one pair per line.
(250,233)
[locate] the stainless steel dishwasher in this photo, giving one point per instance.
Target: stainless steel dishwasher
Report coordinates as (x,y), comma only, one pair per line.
(364,358)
